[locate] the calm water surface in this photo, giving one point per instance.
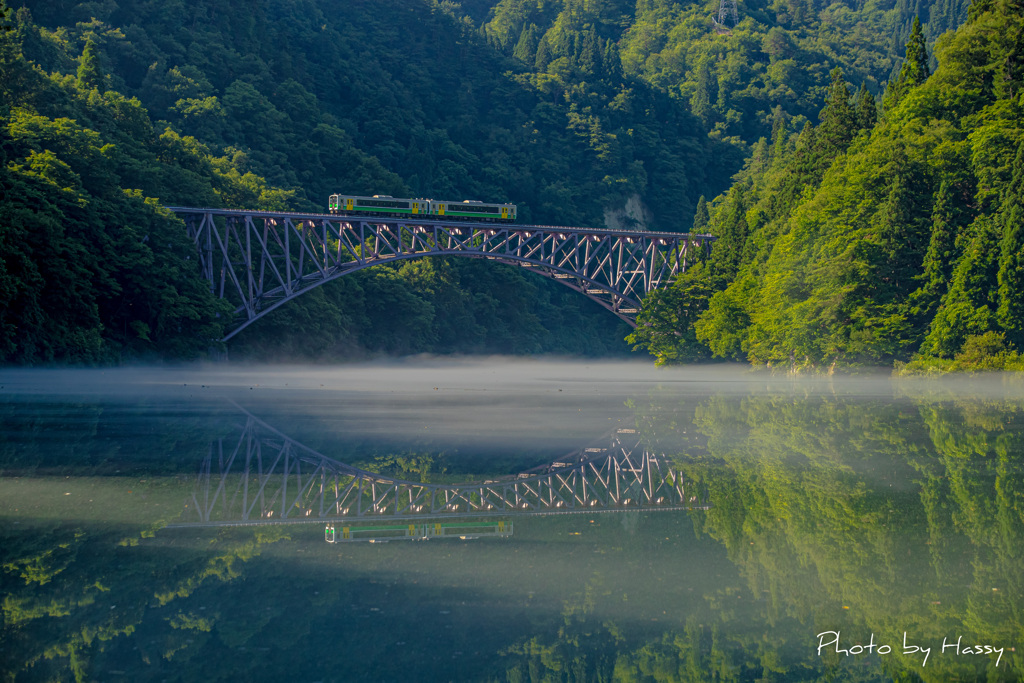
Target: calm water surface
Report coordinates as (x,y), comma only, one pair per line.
(169,524)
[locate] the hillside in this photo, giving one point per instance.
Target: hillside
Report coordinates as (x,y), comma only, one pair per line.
(585,113)
(766,62)
(856,243)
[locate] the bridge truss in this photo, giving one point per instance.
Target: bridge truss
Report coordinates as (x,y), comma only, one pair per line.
(258,260)
(265,477)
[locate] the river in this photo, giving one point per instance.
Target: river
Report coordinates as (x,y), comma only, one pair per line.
(624,523)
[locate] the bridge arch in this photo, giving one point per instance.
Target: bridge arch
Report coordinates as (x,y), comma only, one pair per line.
(262,476)
(260,260)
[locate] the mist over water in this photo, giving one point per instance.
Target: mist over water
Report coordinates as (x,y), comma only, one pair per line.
(466,403)
(479,403)
(864,505)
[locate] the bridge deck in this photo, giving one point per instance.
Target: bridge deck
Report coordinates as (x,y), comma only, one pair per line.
(258,260)
(426,220)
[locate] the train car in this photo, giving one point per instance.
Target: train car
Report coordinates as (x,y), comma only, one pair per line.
(473,211)
(377,205)
(385,205)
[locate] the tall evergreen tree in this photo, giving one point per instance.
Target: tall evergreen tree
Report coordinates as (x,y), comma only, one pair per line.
(90,74)
(702,101)
(866,108)
(914,70)
(590,54)
(903,230)
(612,63)
(731,228)
(701,216)
(967,309)
(939,259)
(1010,313)
(1013,66)
(543,53)
(838,118)
(526,48)
(780,135)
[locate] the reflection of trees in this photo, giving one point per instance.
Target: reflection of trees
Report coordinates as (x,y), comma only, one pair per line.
(884,516)
(582,651)
(843,513)
(975,493)
(907,512)
(71,587)
(587,651)
(57,617)
(410,466)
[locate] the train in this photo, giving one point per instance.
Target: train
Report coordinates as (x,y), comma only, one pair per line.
(393,207)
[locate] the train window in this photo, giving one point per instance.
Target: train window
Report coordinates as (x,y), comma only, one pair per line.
(382,204)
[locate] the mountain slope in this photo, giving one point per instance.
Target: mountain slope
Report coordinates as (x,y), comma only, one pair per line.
(900,241)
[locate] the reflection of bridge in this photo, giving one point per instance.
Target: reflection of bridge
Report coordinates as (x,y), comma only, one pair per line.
(264,477)
(258,260)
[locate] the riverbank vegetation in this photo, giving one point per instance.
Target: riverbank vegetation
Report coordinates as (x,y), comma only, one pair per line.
(857,242)
(864,210)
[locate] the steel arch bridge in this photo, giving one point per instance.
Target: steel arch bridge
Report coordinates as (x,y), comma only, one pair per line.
(258,260)
(264,477)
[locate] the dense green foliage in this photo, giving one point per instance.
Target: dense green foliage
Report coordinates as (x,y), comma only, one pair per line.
(92,266)
(736,77)
(587,113)
(861,243)
(236,125)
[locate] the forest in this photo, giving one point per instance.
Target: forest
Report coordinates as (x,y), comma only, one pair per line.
(879,235)
(858,162)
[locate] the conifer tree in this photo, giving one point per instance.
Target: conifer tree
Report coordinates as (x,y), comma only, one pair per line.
(867,110)
(701,217)
(914,70)
(1010,313)
(732,231)
(543,53)
(808,137)
(706,93)
(838,118)
(90,75)
(612,62)
(779,135)
(589,54)
(902,230)
(526,48)
(1013,66)
(939,259)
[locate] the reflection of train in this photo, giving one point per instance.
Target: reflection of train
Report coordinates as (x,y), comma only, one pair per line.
(384,205)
